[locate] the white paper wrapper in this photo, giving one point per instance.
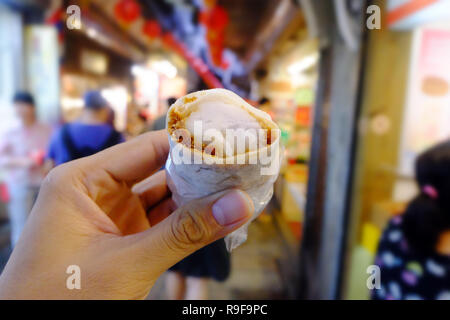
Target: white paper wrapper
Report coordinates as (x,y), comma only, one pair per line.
(190,180)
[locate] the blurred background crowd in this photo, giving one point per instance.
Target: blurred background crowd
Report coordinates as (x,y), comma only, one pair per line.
(359,89)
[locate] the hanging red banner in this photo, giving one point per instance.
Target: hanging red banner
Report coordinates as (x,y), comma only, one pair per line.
(196,63)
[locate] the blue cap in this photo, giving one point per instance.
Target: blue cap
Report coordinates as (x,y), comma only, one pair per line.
(94,100)
(24,97)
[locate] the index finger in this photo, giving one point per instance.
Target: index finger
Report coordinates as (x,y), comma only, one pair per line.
(136,159)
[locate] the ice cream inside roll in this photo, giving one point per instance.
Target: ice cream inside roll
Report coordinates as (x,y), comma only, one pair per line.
(221,116)
(218,125)
(206,131)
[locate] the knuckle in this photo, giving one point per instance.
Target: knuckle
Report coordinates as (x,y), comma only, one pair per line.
(190,229)
(58,177)
(53,178)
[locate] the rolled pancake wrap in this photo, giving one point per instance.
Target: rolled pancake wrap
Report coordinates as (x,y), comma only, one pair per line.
(199,164)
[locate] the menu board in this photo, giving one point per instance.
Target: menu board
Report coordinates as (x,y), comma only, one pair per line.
(427,113)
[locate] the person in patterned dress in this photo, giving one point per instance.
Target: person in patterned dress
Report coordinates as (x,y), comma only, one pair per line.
(414,250)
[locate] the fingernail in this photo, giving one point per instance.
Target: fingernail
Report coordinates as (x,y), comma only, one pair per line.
(232,207)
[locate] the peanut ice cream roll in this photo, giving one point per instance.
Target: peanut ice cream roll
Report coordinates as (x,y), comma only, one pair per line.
(217,142)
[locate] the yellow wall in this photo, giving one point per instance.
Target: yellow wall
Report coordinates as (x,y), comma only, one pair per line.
(385,83)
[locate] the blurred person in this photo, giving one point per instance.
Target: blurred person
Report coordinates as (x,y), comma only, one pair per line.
(188,279)
(414,251)
(136,122)
(160,122)
(22,151)
(89,215)
(91,133)
(111,117)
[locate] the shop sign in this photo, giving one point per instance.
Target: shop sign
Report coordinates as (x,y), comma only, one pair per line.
(427,112)
(409,14)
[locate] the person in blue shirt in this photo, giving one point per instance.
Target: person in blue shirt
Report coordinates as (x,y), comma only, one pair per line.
(91,133)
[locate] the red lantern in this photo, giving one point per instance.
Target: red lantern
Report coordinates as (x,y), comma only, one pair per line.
(203,17)
(152,29)
(218,18)
(216,55)
(127,11)
(215,20)
(215,39)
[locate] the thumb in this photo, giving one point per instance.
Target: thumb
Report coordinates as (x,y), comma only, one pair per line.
(191,227)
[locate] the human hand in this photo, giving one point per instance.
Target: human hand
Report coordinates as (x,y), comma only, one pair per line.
(87,215)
